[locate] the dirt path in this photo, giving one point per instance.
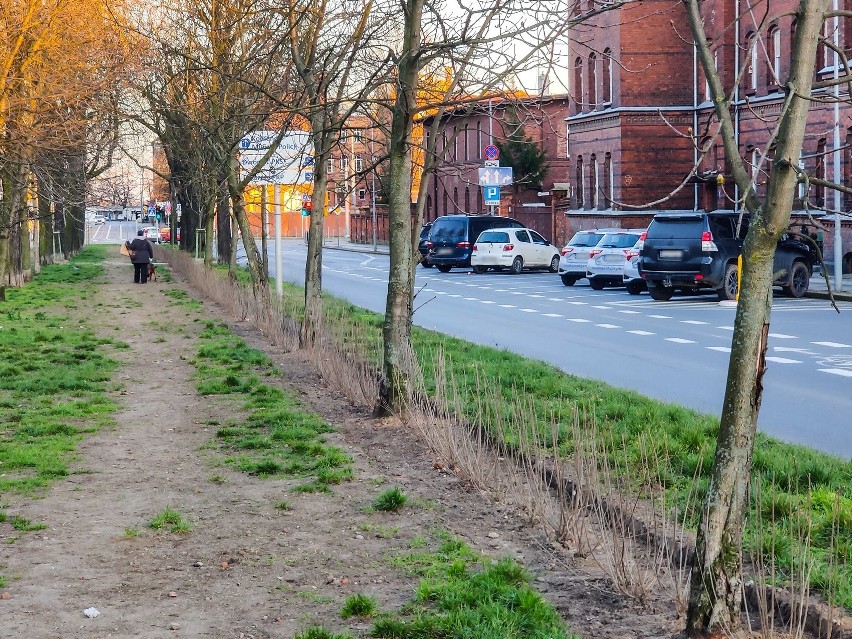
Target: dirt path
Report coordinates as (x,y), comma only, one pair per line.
(247,569)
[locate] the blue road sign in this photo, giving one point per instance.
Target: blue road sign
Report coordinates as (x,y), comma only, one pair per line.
(491,152)
(495,176)
(492,195)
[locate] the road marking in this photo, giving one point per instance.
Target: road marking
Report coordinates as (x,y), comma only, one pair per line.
(453,295)
(603,308)
(579,320)
(578,303)
(438,292)
(552,315)
(679,340)
(725,328)
(487,302)
(629,312)
(782,360)
(696,322)
(536,295)
(471,299)
(782,336)
(832,344)
(528,310)
(788,349)
(721,349)
(554,299)
(642,332)
(607,326)
(660,316)
(836,371)
(508,306)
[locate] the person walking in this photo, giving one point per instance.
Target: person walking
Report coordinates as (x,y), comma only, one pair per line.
(142,256)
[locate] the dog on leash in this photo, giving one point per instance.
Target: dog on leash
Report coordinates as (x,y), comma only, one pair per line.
(152,273)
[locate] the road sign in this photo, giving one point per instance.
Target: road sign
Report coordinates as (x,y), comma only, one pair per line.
(308,160)
(491,163)
(492,195)
(491,152)
(495,176)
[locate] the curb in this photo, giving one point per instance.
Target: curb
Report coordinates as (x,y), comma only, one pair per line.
(823,295)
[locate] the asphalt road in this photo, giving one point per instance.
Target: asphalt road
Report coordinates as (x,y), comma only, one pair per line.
(675,351)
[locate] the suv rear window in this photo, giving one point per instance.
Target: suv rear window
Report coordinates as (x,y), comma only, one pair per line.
(585,239)
(679,227)
(452,231)
(494,237)
(618,240)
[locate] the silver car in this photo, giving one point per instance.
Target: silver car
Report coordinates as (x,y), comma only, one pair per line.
(575,254)
(607,259)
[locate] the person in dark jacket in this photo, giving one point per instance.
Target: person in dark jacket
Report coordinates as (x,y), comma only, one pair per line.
(143,255)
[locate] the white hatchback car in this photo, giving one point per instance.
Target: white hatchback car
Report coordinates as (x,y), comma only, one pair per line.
(632,280)
(606,261)
(513,248)
(152,233)
(575,254)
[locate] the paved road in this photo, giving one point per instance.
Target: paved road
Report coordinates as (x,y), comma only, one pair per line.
(675,351)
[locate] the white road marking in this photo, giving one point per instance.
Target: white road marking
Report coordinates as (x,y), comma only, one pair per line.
(607,326)
(832,344)
(679,340)
(528,310)
(782,360)
(660,316)
(579,320)
(721,349)
(453,295)
(725,328)
(471,299)
(836,371)
(603,308)
(788,349)
(487,302)
(696,322)
(782,336)
(552,315)
(642,332)
(629,312)
(508,306)
(536,295)
(554,299)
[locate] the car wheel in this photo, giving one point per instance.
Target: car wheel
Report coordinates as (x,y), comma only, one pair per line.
(730,284)
(554,264)
(799,280)
(660,293)
(568,280)
(479,270)
(635,287)
(426,264)
(444,268)
(596,284)
(517,265)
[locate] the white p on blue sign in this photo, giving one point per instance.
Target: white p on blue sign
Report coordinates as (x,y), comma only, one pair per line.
(492,195)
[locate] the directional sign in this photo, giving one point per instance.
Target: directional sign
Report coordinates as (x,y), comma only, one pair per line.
(495,176)
(491,152)
(492,195)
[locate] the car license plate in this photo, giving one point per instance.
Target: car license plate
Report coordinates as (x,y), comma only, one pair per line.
(613,258)
(443,251)
(669,254)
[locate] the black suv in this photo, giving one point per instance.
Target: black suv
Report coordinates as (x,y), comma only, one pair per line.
(423,245)
(697,250)
(451,238)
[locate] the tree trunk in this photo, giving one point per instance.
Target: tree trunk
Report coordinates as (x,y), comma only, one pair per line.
(716,583)
(396,329)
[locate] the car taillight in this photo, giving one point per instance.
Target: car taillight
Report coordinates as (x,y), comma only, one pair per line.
(429,245)
(707,243)
(631,253)
(566,250)
(474,248)
(463,245)
(641,243)
(508,247)
(594,252)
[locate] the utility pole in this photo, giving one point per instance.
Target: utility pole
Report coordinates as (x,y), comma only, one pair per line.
(279,262)
(838,178)
(373,189)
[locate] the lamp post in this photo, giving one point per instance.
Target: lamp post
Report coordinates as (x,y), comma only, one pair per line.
(838,178)
(373,190)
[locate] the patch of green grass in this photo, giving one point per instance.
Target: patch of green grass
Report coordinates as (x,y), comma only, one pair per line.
(390,501)
(180,298)
(172,520)
(318,632)
(131,532)
(276,436)
(22,524)
(680,443)
(314,596)
(464,594)
(283,505)
(359,605)
(382,532)
(54,376)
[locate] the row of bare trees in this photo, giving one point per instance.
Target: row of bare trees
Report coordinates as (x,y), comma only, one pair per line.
(208,72)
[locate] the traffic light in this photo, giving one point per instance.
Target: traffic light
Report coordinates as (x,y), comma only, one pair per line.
(307,207)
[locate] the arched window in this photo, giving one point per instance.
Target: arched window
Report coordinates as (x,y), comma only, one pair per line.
(820,172)
(446,197)
(359,164)
(593,182)
(455,144)
(578,83)
(428,207)
(466,145)
(479,206)
(774,71)
(751,51)
(467,199)
(580,185)
(606,77)
(607,180)
(593,80)
(456,199)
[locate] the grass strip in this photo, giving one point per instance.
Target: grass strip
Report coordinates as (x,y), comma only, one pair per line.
(277,436)
(808,489)
(54,374)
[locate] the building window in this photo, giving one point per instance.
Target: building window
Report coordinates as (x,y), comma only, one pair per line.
(578,83)
(428,207)
(751,72)
(774,56)
(359,164)
(467,199)
(580,186)
(466,145)
(479,139)
(330,165)
(446,196)
(593,80)
(344,164)
(820,173)
(801,187)
(607,76)
(755,159)
(359,135)
(362,194)
(456,199)
(593,182)
(455,144)
(607,181)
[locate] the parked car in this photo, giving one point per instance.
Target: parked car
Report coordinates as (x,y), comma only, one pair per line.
(166,234)
(423,246)
(151,233)
(513,248)
(633,282)
(606,260)
(99,219)
(698,251)
(575,254)
(451,238)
